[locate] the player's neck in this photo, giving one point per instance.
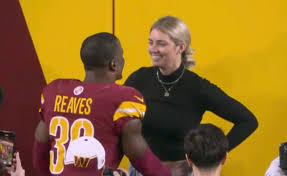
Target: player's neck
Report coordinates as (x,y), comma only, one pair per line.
(98,76)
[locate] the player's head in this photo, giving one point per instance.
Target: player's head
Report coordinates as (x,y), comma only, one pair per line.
(206,147)
(103,50)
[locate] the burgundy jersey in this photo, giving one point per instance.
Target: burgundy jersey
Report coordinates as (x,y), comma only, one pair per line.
(85,122)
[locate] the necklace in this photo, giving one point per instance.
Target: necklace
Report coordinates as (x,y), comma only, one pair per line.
(169,83)
(173,83)
(166,91)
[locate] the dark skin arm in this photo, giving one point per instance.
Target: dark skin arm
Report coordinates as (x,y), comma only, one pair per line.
(133,143)
(42,133)
(41,149)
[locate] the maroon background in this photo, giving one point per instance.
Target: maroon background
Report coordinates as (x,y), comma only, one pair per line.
(21,79)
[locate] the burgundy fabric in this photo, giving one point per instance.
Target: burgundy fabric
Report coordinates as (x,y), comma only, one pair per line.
(1,96)
(41,158)
(106,99)
(21,80)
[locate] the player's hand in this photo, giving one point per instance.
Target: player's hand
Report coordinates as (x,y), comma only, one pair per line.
(16,169)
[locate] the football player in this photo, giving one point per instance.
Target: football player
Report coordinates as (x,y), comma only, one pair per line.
(89,125)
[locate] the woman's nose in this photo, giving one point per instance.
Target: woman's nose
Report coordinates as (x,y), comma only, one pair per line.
(153,48)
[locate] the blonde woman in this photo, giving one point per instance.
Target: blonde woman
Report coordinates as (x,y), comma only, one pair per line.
(177,98)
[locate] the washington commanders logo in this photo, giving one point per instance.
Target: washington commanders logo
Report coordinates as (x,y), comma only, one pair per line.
(85,152)
(81,162)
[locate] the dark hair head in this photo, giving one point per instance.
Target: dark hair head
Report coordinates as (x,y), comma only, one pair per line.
(206,146)
(283,156)
(99,49)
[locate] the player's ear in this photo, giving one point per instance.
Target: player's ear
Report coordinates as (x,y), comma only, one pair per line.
(113,65)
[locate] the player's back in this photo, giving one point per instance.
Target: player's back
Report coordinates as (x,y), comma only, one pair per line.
(85,122)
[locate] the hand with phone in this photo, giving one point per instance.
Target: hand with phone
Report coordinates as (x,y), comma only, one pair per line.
(16,169)
(7,143)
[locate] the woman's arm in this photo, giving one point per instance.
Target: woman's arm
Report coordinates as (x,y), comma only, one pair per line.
(230,109)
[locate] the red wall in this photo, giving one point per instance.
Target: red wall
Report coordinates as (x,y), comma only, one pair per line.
(21,79)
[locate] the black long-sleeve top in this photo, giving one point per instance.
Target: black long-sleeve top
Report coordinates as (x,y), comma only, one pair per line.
(167,119)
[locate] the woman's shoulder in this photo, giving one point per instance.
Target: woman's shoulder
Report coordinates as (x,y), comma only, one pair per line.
(194,76)
(139,76)
(143,72)
(200,80)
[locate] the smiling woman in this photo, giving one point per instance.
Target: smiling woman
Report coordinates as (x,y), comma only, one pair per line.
(177,98)
(169,46)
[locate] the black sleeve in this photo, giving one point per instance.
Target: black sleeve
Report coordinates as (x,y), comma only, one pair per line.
(132,79)
(228,108)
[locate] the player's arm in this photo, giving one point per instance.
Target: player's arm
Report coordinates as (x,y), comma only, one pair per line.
(41,149)
(128,124)
(137,150)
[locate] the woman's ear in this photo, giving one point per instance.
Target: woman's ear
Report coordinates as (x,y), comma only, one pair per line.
(181,47)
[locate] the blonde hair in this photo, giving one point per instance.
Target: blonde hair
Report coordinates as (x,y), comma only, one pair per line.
(178,31)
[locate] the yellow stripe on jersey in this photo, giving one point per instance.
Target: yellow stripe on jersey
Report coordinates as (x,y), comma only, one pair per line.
(42,102)
(42,99)
(130,109)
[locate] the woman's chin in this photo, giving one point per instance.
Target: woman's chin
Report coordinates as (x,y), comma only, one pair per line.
(156,63)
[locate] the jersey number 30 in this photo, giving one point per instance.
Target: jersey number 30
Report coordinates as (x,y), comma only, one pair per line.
(60,125)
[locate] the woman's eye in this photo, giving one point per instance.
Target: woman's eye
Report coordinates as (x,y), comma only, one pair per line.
(162,43)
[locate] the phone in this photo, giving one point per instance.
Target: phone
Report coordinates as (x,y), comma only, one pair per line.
(110,172)
(7,143)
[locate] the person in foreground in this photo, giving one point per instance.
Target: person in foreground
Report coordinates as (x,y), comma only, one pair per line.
(88,125)
(278,166)
(16,169)
(206,150)
(177,98)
